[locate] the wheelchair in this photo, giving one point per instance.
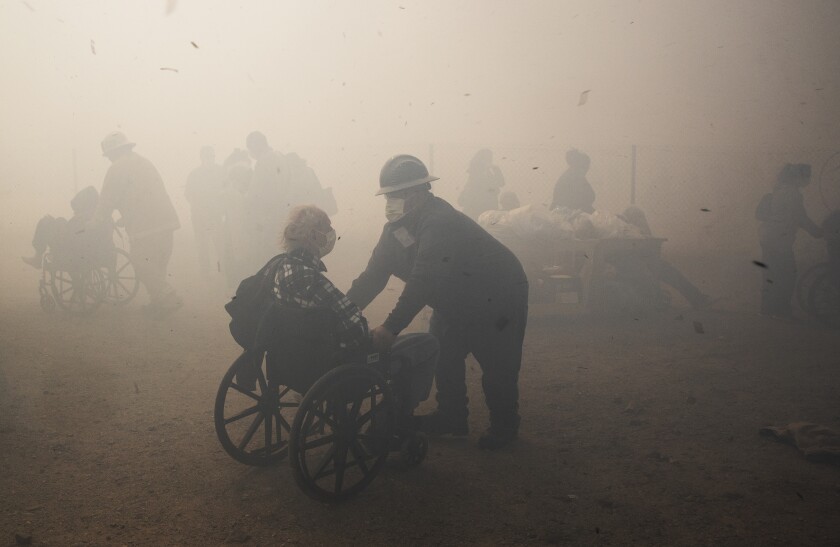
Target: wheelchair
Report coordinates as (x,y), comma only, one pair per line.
(824,296)
(335,417)
(80,277)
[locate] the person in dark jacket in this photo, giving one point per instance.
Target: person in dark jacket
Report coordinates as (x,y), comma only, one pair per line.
(782,213)
(475,286)
(572,190)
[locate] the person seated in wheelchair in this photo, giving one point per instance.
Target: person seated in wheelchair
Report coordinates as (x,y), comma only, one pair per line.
(71,242)
(299,282)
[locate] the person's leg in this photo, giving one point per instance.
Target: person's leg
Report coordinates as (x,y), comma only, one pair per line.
(785,281)
(450,379)
(201,239)
(414,358)
(150,256)
(497,346)
(779,279)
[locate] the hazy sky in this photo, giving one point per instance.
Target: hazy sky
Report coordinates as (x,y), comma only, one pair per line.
(665,72)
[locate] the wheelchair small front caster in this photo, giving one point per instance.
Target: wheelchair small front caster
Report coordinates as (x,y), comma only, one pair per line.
(413,450)
(47,303)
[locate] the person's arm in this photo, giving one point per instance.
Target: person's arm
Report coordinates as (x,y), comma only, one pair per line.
(107,198)
(372,281)
(353,330)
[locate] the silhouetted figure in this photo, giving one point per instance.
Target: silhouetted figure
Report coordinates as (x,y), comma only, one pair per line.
(782,213)
(572,190)
(269,196)
(306,186)
(481,192)
(204,194)
(238,245)
(70,240)
(134,187)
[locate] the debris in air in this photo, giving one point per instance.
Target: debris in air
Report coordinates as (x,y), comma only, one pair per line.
(169,69)
(170,6)
(584,96)
(760,264)
(698,327)
(705,210)
(93,47)
(194,45)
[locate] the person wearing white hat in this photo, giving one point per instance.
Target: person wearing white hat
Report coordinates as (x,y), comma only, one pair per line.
(134,187)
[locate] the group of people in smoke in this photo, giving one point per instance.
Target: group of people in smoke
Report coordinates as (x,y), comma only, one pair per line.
(236,206)
(476,287)
(781,214)
(573,192)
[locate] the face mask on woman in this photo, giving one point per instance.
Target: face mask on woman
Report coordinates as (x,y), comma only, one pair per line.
(394,208)
(327,246)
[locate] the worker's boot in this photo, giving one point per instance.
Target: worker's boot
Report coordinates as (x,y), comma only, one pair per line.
(500,433)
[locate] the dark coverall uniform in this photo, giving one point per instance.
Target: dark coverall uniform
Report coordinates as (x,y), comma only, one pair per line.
(479,294)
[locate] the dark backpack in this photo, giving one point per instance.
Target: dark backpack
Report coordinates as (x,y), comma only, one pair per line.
(253,301)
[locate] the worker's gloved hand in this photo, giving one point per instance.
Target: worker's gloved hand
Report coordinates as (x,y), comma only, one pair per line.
(383,339)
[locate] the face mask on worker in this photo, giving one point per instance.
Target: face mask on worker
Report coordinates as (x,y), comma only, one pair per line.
(328,244)
(394,208)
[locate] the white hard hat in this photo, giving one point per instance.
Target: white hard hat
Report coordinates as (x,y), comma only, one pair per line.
(114,141)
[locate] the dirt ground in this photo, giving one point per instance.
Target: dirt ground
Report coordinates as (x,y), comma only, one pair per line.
(636,430)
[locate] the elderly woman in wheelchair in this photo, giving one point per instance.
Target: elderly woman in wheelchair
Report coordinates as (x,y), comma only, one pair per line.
(311,386)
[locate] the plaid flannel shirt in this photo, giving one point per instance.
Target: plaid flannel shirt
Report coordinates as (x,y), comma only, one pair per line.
(299,283)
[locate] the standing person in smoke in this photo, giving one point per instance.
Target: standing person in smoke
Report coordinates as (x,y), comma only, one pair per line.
(134,187)
(237,245)
(204,194)
(269,196)
(781,214)
(572,190)
(484,180)
(474,284)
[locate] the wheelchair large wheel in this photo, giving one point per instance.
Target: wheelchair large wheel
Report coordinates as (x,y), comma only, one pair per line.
(342,433)
(77,292)
(806,282)
(253,414)
(122,279)
(824,298)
